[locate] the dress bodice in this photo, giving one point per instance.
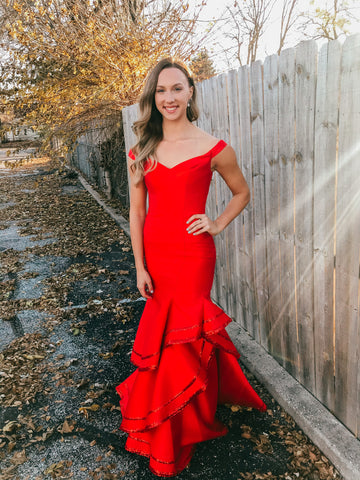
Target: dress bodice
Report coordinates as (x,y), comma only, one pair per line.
(177,193)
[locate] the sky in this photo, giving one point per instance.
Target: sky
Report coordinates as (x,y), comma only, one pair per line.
(270,39)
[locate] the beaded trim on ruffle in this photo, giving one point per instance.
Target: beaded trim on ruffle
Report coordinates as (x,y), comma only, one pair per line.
(203,334)
(180,407)
(158,472)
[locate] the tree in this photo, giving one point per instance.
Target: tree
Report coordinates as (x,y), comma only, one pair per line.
(71,62)
(244,23)
(202,66)
(245,26)
(329,21)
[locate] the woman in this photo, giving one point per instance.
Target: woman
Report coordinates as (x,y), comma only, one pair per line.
(186,362)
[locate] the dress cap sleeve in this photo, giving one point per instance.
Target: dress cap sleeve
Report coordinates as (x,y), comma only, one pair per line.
(218,148)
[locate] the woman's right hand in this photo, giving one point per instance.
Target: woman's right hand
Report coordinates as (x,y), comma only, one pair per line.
(144,284)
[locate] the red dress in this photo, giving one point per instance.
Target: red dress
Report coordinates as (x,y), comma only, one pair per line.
(186,361)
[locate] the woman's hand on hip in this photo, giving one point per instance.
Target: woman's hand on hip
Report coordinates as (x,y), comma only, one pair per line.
(144,283)
(201,223)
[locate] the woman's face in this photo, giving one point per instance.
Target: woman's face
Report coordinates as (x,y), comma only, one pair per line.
(172,93)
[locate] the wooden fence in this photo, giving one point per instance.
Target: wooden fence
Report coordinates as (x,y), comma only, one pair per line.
(288,267)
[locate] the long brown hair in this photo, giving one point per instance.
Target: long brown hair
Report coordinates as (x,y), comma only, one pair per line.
(148,127)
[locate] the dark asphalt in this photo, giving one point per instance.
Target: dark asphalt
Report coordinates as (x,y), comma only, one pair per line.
(69,428)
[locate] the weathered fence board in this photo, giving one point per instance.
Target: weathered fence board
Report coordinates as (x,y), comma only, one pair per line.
(221,129)
(271,168)
(326,131)
(286,327)
(288,266)
(130,114)
(247,251)
(306,65)
(257,137)
(229,233)
(236,272)
(348,237)
(212,100)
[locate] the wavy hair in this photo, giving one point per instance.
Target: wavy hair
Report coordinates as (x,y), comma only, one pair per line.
(148,127)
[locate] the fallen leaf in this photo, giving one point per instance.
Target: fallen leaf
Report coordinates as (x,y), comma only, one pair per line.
(19,458)
(55,468)
(106,355)
(11,426)
(66,428)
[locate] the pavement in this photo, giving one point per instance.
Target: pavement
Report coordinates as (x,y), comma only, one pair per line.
(11,155)
(69,310)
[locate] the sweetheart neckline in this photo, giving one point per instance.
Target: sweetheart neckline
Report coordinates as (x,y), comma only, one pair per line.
(192,158)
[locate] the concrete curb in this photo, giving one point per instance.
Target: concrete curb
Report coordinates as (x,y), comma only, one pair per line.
(119,219)
(337,443)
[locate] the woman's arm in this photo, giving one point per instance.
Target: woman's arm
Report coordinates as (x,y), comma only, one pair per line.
(225,163)
(137,218)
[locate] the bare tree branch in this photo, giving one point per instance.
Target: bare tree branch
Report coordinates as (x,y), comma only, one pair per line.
(288,19)
(246,21)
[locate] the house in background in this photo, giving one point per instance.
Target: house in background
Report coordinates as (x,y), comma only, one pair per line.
(20,134)
(11,131)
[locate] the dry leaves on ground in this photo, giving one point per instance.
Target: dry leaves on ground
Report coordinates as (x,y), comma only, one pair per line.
(21,370)
(306,461)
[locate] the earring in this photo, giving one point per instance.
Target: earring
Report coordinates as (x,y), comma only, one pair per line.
(189,103)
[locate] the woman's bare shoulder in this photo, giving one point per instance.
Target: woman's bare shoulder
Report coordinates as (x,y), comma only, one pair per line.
(207,141)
